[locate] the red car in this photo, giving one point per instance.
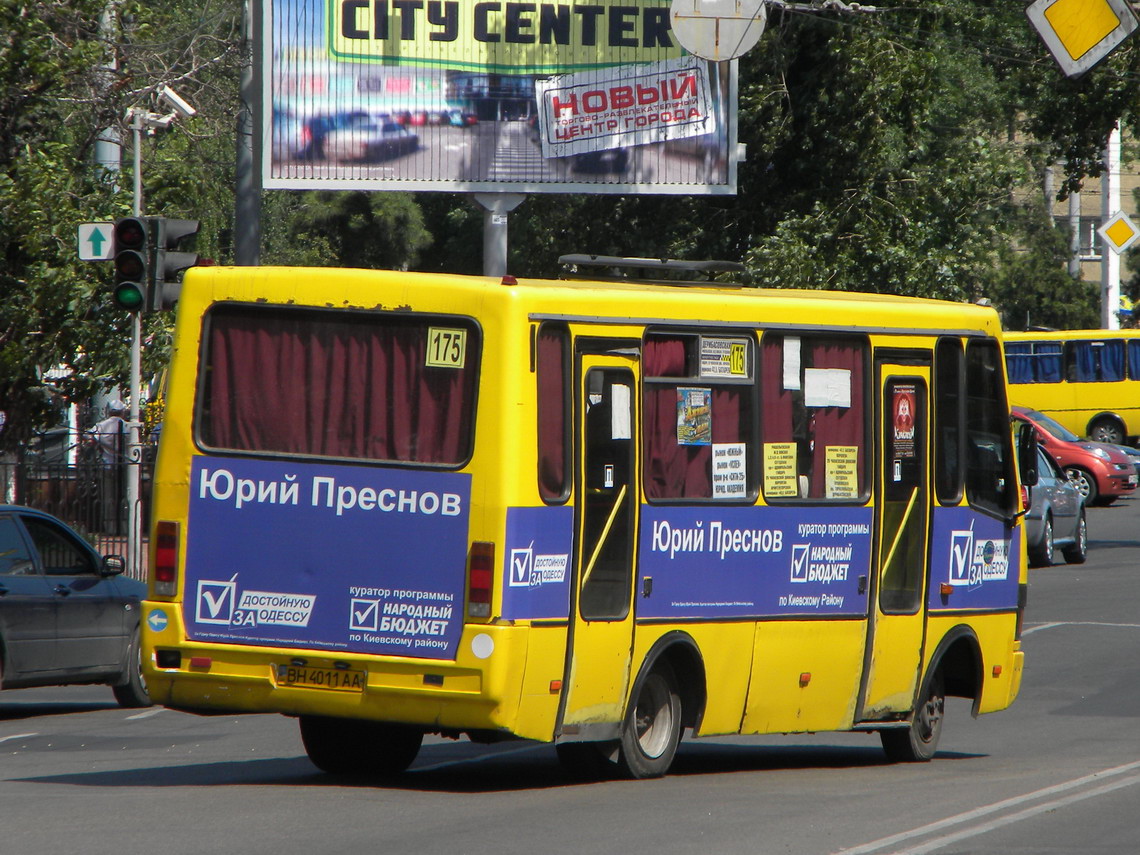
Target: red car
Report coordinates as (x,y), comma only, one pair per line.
(1101,472)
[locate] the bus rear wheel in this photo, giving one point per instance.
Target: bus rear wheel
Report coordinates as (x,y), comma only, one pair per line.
(652,726)
(917,743)
(1106,430)
(360,748)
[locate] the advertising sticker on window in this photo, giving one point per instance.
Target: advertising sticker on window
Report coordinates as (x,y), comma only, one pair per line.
(694,416)
(903,431)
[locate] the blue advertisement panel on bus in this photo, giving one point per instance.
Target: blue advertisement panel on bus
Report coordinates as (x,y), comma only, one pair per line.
(537,569)
(733,562)
(324,556)
(976,557)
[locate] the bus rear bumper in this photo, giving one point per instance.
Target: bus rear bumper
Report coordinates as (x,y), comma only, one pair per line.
(438,695)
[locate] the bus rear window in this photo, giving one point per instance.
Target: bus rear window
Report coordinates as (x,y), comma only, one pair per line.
(339,384)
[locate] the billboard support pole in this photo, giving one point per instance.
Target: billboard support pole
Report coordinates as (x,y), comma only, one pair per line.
(496,207)
(247,210)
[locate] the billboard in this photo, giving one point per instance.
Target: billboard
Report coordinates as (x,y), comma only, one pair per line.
(463,96)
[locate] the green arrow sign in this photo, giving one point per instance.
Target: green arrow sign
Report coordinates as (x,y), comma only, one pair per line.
(95,242)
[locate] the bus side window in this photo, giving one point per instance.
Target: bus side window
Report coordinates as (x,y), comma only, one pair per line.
(813,394)
(948,416)
(607,434)
(698,403)
(552,376)
(989,476)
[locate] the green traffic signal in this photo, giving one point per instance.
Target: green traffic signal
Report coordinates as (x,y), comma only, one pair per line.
(129,296)
(132,262)
(149,258)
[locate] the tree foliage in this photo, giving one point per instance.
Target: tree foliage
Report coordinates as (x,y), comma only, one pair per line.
(54,338)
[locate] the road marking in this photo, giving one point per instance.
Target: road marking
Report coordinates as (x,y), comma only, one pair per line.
(1033,629)
(146,713)
(17,736)
(939,842)
(978,813)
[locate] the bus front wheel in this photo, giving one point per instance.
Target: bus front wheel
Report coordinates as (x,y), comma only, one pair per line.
(354,747)
(652,726)
(917,743)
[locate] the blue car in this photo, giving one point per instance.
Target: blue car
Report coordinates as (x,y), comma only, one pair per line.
(67,614)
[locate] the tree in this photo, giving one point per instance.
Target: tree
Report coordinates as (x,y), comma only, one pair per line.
(1031,285)
(349,229)
(57,341)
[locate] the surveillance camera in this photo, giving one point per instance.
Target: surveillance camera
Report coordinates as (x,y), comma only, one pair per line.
(180,105)
(153,121)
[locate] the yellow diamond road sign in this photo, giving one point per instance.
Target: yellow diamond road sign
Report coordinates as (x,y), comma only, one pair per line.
(1119,232)
(1080,33)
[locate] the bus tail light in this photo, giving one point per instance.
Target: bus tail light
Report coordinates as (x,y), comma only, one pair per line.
(481,579)
(166,558)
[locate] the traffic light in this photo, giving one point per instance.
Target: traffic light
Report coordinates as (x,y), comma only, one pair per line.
(170,259)
(132,263)
(148,260)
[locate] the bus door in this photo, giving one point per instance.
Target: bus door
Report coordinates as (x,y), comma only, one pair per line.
(601,619)
(899,577)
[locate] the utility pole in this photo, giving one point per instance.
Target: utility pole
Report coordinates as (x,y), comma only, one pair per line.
(134,446)
(247,209)
(1110,260)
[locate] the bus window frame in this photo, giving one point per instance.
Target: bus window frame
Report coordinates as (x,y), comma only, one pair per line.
(202,380)
(753,455)
(867,464)
(1010,469)
(946,497)
(1071,362)
(563,330)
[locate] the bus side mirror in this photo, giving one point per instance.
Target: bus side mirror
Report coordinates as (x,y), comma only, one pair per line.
(1027,454)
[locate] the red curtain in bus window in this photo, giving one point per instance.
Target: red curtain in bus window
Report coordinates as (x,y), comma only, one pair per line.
(551,373)
(672,470)
(304,383)
(775,401)
(837,425)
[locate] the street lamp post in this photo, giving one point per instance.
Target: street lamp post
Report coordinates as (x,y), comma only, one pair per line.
(141,120)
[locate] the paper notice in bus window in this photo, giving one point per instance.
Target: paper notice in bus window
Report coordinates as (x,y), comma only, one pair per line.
(621,422)
(724,357)
(827,387)
(780,470)
(694,416)
(792,363)
(842,472)
(447,348)
(729,470)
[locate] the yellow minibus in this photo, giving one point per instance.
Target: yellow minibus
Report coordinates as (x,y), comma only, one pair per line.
(591,512)
(1087,380)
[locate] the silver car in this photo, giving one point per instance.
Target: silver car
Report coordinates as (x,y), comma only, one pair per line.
(1056,516)
(364,138)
